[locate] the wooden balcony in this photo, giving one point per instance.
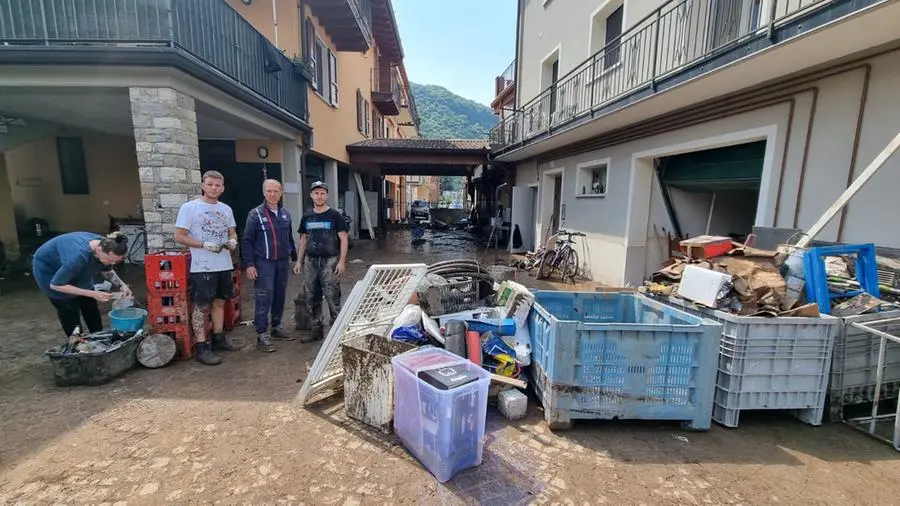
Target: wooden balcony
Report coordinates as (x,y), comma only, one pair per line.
(348,22)
(387,95)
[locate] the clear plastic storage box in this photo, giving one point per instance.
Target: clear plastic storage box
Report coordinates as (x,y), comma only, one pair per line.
(444,429)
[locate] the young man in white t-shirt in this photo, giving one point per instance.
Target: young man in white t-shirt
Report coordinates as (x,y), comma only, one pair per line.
(207,227)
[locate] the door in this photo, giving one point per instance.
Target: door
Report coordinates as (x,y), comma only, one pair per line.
(523,216)
(243,187)
(557,196)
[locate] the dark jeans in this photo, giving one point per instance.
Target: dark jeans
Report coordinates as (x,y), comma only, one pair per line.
(320,279)
(70,311)
(270,287)
(206,286)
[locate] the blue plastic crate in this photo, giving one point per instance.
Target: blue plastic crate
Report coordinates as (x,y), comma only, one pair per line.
(817,289)
(622,355)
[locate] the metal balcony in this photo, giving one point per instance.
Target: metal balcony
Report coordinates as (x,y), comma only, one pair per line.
(208,38)
(348,22)
(679,37)
(504,80)
(387,95)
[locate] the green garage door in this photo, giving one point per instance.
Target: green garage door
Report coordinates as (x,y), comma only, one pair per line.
(730,168)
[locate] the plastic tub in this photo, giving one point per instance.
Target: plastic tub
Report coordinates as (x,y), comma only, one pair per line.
(129,319)
(444,429)
(93,368)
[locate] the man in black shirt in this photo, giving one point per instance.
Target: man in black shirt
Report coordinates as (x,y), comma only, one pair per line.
(322,256)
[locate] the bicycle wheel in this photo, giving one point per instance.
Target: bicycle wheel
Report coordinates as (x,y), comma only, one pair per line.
(546,265)
(570,265)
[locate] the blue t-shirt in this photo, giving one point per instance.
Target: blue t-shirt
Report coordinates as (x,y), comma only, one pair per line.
(67,259)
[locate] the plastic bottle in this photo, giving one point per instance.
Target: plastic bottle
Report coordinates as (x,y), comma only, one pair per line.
(473,344)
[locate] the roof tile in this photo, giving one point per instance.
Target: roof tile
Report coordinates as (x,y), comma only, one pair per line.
(423,144)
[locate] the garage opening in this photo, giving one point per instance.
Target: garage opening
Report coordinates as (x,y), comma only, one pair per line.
(714,191)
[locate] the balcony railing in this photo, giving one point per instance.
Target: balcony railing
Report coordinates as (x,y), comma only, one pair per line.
(505,79)
(387,93)
(206,30)
(678,34)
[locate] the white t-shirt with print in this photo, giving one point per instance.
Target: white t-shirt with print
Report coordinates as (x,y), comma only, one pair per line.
(207,222)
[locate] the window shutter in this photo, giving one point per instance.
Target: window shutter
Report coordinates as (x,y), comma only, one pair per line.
(368,116)
(311,50)
(359,112)
(333,72)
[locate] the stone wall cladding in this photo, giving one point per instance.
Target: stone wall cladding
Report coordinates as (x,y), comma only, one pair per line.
(168,156)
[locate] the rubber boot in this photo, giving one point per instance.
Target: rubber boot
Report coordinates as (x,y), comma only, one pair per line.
(315,334)
(263,343)
(205,355)
(220,342)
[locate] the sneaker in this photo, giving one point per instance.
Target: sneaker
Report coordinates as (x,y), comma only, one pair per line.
(263,344)
(279,334)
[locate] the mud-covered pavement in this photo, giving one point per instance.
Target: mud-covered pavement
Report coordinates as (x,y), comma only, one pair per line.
(189,433)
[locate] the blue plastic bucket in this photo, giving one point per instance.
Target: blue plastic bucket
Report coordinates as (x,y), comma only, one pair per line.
(130,319)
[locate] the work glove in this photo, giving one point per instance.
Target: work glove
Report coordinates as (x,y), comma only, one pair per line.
(211,246)
(231,244)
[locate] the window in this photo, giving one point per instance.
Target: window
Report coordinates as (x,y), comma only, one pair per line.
(333,72)
(362,113)
(613,32)
(72,168)
(591,178)
(378,131)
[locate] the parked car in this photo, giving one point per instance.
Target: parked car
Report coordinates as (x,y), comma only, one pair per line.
(419,210)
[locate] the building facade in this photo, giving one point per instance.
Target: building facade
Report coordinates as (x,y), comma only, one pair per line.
(643,119)
(109,113)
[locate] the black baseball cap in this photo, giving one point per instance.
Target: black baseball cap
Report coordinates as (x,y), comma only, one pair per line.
(318,184)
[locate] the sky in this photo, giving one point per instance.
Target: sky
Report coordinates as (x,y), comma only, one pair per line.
(461,45)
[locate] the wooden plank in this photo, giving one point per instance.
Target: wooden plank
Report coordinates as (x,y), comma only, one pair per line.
(850,192)
(365,205)
(508,381)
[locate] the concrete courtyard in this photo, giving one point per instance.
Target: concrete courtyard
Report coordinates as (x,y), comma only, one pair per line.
(234,434)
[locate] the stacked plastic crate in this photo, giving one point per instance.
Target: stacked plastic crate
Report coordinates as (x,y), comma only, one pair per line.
(770,364)
(233,309)
(854,368)
(168,300)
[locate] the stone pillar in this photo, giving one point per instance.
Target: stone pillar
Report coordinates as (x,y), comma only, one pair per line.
(331,179)
(165,136)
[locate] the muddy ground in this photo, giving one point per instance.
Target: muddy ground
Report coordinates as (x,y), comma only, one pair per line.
(234,434)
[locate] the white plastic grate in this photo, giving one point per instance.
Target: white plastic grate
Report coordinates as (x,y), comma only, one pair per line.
(370,308)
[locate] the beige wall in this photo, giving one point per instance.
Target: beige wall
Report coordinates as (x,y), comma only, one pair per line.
(262,17)
(247,151)
(335,127)
(8,232)
(113,183)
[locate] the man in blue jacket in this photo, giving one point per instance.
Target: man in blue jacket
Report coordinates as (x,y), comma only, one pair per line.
(267,249)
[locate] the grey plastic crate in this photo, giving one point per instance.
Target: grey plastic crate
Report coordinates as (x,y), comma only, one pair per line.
(855,358)
(770,363)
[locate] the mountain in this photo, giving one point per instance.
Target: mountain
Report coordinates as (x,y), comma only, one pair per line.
(445,115)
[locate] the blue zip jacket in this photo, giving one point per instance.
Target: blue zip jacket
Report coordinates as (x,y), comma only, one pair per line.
(268,235)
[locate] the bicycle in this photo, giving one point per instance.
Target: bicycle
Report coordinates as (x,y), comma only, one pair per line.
(563,257)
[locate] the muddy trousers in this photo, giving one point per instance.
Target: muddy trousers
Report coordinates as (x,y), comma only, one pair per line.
(320,280)
(269,288)
(70,311)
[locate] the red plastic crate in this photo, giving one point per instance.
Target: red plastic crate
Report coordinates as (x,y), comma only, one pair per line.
(167,265)
(168,309)
(233,313)
(184,340)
